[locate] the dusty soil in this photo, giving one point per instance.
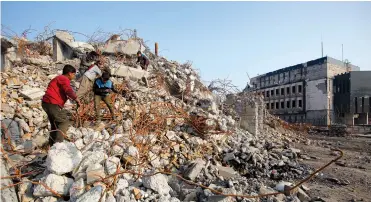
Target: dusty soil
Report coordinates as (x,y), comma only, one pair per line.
(347,180)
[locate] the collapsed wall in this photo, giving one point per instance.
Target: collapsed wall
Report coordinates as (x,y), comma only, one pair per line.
(167,130)
(250,109)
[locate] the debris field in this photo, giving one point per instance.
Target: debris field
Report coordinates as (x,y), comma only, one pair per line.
(173,138)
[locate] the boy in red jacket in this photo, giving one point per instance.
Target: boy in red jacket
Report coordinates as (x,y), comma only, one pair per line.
(56,95)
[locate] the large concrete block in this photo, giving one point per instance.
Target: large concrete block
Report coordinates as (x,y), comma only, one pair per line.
(125,71)
(130,47)
(32,93)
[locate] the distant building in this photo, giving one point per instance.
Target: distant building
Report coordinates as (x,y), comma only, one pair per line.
(352,102)
(303,92)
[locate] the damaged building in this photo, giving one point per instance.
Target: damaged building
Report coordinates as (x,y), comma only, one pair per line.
(303,92)
(352,103)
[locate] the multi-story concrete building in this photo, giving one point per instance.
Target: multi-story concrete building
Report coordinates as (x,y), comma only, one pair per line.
(303,92)
(352,98)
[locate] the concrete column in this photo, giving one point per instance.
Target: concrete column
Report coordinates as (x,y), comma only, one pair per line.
(249,119)
(57,50)
(367,120)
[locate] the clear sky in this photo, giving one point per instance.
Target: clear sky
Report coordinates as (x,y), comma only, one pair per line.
(223,39)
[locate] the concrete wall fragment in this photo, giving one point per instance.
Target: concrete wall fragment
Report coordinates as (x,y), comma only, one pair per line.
(129,47)
(251,110)
(64,46)
(125,71)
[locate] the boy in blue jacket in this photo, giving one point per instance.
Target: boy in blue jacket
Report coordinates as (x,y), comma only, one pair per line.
(102,88)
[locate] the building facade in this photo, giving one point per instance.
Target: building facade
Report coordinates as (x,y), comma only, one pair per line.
(303,92)
(352,102)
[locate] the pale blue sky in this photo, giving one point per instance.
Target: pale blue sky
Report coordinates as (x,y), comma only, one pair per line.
(221,38)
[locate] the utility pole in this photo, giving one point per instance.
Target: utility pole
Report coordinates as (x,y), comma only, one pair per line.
(156,49)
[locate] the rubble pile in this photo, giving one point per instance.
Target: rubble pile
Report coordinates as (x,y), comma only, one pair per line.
(332,131)
(172,140)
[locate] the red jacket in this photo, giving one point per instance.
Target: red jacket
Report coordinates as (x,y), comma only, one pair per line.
(58,90)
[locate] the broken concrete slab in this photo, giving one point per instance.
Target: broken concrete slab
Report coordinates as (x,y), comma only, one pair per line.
(32,93)
(14,131)
(95,173)
(195,169)
(22,123)
(126,71)
(93,195)
(226,172)
(129,47)
(89,158)
(77,189)
(157,183)
(121,185)
(60,184)
(111,165)
(7,195)
(42,61)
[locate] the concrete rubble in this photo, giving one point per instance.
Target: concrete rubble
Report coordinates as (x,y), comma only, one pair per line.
(172,123)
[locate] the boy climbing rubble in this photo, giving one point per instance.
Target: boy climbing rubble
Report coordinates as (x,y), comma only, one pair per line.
(87,81)
(102,87)
(56,95)
(142,60)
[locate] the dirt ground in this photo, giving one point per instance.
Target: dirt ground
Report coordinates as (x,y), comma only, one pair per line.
(347,180)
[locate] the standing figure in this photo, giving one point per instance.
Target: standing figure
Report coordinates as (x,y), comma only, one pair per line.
(88,79)
(102,88)
(56,95)
(142,60)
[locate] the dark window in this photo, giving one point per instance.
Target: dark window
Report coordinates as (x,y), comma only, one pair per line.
(277,92)
(267,93)
(277,105)
(282,105)
(282,91)
(272,92)
(293,89)
(363,104)
(267,105)
(293,103)
(288,90)
(299,89)
(272,105)
(288,104)
(300,103)
(296,119)
(356,104)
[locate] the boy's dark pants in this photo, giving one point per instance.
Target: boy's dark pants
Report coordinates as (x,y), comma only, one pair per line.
(106,99)
(58,120)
